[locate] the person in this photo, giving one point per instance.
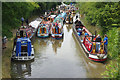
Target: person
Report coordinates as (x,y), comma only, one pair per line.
(22,19)
(105,42)
(98,40)
(26,21)
(4,41)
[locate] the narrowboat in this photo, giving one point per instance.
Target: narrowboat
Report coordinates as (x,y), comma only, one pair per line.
(69,19)
(57,30)
(94,49)
(61,17)
(57,26)
(23,50)
(44,29)
(25,31)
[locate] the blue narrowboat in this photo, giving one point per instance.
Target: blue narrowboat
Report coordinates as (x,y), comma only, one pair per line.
(23,50)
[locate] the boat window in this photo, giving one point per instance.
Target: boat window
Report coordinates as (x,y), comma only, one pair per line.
(24,48)
(21,33)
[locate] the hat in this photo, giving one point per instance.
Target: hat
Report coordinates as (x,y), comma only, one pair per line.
(86,34)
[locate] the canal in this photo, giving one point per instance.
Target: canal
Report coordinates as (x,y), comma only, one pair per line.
(57,59)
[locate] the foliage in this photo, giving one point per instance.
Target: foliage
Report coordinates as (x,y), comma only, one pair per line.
(112,70)
(113,41)
(13,11)
(104,14)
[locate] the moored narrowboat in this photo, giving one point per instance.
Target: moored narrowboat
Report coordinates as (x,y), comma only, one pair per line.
(93,48)
(57,26)
(44,29)
(23,50)
(57,31)
(61,17)
(25,31)
(69,19)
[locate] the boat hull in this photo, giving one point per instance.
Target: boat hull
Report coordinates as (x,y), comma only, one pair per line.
(22,58)
(93,57)
(42,36)
(57,36)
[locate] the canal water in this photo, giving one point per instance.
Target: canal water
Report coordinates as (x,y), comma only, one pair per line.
(58,59)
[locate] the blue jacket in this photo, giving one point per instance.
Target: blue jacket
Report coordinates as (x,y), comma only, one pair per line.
(106,39)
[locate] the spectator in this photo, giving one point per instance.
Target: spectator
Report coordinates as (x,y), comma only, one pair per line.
(105,43)
(4,41)
(26,21)
(22,19)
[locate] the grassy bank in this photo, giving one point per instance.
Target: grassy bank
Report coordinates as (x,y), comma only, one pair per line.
(6,57)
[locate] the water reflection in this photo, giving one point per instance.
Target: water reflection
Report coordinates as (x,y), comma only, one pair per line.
(58,59)
(56,44)
(68,26)
(20,70)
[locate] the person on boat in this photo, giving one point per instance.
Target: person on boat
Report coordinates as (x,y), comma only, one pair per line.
(4,41)
(86,36)
(26,21)
(98,40)
(22,19)
(105,42)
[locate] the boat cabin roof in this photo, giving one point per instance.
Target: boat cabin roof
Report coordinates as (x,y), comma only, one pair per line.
(52,16)
(23,39)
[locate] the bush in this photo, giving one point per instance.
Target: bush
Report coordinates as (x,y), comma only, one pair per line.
(113,41)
